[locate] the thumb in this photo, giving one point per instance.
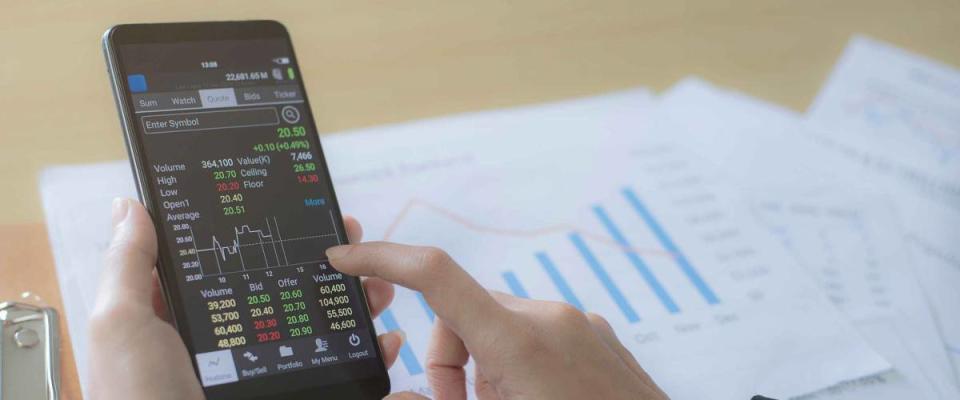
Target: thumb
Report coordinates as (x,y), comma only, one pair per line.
(405,396)
(131,257)
(465,306)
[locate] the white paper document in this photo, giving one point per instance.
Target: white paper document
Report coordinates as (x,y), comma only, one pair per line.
(726,314)
(548,202)
(855,251)
(835,217)
(898,106)
(898,114)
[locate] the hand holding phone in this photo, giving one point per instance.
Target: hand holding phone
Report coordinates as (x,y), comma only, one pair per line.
(516,342)
(239,215)
(135,351)
(228,164)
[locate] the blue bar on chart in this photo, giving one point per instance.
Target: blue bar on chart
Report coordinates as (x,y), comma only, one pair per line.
(514,284)
(425,306)
(671,247)
(406,353)
(558,281)
(637,262)
(604,278)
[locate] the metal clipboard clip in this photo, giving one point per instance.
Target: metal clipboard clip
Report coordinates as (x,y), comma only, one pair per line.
(29,352)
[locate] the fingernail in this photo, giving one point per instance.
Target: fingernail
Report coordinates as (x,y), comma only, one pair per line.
(398,336)
(121,207)
(338,251)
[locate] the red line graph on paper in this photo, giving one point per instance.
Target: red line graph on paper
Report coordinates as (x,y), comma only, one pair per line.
(522,233)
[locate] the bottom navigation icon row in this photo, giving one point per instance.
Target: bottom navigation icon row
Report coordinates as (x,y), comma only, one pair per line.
(225,366)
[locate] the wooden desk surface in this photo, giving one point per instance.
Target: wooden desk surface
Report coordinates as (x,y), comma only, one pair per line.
(370,63)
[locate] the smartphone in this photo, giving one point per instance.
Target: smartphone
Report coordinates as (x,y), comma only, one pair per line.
(228,162)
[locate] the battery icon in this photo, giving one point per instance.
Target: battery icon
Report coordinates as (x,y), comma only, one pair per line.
(290,74)
(281,60)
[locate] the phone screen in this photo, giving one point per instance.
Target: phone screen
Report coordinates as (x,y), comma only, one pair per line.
(236,180)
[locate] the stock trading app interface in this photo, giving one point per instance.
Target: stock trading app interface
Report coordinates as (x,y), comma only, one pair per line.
(244,207)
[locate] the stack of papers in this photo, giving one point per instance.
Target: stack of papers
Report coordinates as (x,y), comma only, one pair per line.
(737,248)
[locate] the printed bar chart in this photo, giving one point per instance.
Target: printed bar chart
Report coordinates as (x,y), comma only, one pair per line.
(668,244)
(559,281)
(515,286)
(425,306)
(406,353)
(604,278)
(557,278)
(637,262)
